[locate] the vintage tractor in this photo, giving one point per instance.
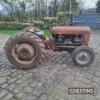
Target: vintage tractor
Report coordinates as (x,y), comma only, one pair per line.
(28,48)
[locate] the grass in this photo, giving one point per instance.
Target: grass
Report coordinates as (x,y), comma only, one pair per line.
(9,31)
(14,31)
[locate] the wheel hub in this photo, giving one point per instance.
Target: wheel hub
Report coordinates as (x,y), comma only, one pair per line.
(83,57)
(25,52)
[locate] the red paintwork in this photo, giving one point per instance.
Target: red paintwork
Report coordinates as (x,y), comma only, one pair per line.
(74,30)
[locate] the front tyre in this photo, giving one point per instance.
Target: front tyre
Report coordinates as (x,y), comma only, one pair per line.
(83,56)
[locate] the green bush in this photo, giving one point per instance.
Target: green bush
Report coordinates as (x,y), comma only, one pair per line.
(49,21)
(64,18)
(60,14)
(39,24)
(14,25)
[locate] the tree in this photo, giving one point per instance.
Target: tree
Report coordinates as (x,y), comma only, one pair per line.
(98,7)
(22,14)
(11,5)
(53,7)
(30,10)
(67,7)
(75,5)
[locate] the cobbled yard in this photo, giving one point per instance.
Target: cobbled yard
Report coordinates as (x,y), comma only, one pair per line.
(50,80)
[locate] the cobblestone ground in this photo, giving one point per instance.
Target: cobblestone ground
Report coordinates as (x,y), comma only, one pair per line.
(50,80)
(3,39)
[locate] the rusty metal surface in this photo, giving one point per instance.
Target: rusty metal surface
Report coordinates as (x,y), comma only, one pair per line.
(70,29)
(20,58)
(74,30)
(25,51)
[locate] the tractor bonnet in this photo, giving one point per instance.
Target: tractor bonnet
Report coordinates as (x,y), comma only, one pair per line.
(70,30)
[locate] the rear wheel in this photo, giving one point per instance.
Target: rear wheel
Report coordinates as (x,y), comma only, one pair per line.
(25,50)
(83,56)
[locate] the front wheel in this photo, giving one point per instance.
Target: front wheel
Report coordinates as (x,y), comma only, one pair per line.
(83,56)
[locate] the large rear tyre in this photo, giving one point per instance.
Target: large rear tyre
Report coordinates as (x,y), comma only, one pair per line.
(83,56)
(25,50)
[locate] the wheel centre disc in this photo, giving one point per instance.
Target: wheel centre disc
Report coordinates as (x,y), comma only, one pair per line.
(83,57)
(25,52)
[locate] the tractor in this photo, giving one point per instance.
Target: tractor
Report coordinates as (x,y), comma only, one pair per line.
(28,48)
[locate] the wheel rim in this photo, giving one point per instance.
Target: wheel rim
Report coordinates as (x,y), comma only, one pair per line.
(24,53)
(83,57)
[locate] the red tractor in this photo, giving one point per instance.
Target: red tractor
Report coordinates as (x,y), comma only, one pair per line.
(28,48)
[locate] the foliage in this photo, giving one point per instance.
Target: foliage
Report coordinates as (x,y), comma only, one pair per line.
(14,25)
(60,14)
(30,10)
(46,32)
(64,18)
(98,7)
(39,24)
(50,20)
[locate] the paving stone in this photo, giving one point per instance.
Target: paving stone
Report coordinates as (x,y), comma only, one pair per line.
(37,92)
(6,74)
(15,74)
(17,89)
(4,85)
(27,90)
(21,95)
(97,74)
(13,70)
(11,87)
(43,97)
(12,80)
(8,96)
(2,80)
(3,93)
(24,84)
(30,97)
(19,81)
